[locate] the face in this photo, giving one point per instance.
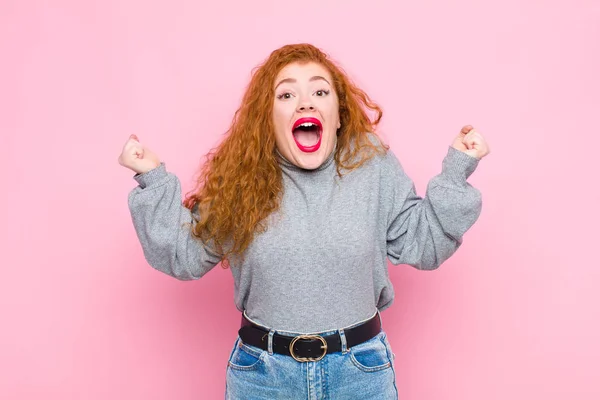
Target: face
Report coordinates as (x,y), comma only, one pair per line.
(305,114)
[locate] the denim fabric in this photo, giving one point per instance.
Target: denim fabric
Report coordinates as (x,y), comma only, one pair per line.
(364,371)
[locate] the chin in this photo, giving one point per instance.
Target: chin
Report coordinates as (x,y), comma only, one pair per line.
(310,160)
(312,163)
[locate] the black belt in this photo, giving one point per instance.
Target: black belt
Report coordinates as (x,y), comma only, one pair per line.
(308,347)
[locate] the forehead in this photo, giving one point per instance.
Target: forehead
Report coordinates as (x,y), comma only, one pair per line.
(303,72)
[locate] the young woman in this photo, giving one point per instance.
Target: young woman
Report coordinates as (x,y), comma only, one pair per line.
(305,204)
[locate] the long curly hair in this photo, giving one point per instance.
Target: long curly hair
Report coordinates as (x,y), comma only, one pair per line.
(240,184)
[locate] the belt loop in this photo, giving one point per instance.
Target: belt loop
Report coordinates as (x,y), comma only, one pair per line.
(270,342)
(343,340)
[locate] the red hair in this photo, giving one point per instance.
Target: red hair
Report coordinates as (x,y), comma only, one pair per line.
(240,184)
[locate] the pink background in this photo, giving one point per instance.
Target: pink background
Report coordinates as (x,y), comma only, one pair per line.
(514,314)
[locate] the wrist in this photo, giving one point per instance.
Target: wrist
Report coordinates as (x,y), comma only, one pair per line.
(151,176)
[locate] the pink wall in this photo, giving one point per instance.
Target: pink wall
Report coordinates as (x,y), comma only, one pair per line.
(514,314)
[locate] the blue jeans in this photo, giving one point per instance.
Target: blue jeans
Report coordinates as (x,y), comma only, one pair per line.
(363,372)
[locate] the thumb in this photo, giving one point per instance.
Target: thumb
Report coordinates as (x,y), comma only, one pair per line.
(139,152)
(468,142)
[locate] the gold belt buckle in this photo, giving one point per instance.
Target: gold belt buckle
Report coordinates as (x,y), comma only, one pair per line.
(308,337)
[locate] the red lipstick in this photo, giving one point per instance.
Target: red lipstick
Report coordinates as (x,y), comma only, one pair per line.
(312,121)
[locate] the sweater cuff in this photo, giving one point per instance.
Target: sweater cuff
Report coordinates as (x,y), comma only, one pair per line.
(151,177)
(459,165)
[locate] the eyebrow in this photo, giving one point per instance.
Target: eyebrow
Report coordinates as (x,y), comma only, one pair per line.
(292,80)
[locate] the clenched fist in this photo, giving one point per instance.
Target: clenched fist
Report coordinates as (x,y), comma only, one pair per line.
(136,157)
(471,142)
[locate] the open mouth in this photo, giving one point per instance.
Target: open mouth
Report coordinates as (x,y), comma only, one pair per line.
(307,134)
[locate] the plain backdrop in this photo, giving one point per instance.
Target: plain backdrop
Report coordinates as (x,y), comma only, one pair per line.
(513,314)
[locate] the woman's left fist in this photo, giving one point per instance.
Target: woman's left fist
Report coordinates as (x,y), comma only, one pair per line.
(471,142)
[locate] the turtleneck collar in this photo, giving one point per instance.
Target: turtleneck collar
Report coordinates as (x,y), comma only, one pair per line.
(287,165)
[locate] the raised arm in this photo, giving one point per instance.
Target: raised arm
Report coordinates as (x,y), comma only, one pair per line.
(425,232)
(163,226)
(162,223)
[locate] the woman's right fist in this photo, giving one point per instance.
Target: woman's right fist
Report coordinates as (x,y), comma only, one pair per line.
(136,157)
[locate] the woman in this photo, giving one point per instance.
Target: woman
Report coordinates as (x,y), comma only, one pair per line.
(305,204)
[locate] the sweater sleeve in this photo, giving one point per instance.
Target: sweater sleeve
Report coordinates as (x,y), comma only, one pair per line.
(425,232)
(163,226)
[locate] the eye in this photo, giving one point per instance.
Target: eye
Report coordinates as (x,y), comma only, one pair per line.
(284,96)
(322,93)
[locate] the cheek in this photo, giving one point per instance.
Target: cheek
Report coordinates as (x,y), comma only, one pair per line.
(334,116)
(280,114)
(334,113)
(279,123)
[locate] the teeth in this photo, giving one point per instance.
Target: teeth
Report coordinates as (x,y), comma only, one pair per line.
(308,124)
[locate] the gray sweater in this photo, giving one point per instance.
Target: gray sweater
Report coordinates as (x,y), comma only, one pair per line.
(322,263)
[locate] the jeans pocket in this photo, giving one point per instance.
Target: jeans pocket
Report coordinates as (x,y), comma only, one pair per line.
(245,357)
(372,355)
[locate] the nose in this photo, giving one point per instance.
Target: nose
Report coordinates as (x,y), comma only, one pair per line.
(305,105)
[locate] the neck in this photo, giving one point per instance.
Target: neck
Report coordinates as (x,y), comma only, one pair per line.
(287,164)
